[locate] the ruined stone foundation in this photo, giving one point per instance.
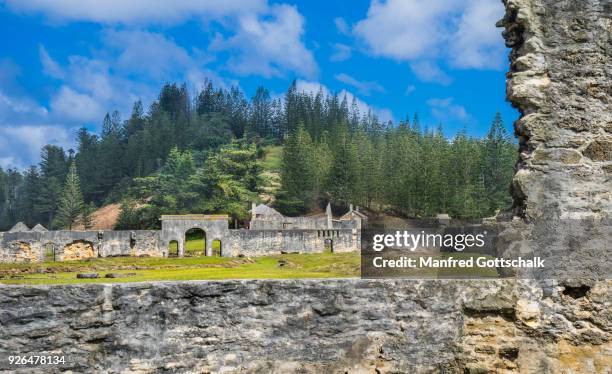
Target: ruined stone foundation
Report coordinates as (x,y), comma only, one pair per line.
(313,326)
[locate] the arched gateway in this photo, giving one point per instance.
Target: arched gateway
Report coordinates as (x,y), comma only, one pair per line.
(174,228)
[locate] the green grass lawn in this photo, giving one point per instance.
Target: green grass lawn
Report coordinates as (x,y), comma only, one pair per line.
(134,269)
(272,159)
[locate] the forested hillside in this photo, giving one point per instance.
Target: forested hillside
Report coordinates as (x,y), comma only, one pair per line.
(203,155)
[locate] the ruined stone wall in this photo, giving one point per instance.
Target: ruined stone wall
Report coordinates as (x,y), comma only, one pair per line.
(131,243)
(272,242)
(299,223)
(302,223)
(560,80)
(77,245)
(312,326)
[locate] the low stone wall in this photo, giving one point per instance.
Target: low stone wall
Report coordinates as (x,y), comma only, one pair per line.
(298,223)
(131,243)
(75,245)
(312,326)
(271,242)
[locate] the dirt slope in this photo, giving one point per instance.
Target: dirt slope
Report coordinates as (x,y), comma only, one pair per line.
(104,218)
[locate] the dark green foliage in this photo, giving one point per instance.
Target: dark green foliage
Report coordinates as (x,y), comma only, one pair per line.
(86,215)
(226,182)
(180,156)
(497,159)
(129,218)
(71,204)
(404,169)
(298,173)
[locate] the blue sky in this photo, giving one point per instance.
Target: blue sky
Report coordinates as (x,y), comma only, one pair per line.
(64,64)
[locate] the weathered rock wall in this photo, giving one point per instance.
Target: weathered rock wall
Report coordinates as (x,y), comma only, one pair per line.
(272,242)
(72,245)
(560,80)
(131,243)
(313,326)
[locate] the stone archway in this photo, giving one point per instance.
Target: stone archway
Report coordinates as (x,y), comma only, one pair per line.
(217,249)
(49,252)
(195,243)
(173,248)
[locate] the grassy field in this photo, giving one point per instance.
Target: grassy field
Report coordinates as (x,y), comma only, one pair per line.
(272,159)
(138,269)
(133,269)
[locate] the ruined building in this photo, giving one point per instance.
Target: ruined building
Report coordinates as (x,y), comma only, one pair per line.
(270,233)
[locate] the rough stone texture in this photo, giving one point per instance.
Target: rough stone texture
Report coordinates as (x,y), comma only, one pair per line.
(23,252)
(258,242)
(78,250)
(313,326)
(560,80)
(104,243)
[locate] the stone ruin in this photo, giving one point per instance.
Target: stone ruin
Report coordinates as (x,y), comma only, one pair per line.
(270,233)
(560,80)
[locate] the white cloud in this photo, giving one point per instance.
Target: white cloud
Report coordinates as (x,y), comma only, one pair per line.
(93,86)
(363,87)
(429,72)
(341,25)
(134,11)
(311,87)
(10,162)
(88,89)
(269,46)
(383,114)
(410,89)
(25,125)
(12,107)
(342,52)
(267,38)
(50,66)
(446,110)
(20,145)
(462,32)
(405,29)
(477,44)
(92,76)
(162,55)
(76,106)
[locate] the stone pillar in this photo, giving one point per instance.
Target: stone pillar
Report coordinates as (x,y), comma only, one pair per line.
(560,80)
(181,247)
(328,214)
(209,246)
